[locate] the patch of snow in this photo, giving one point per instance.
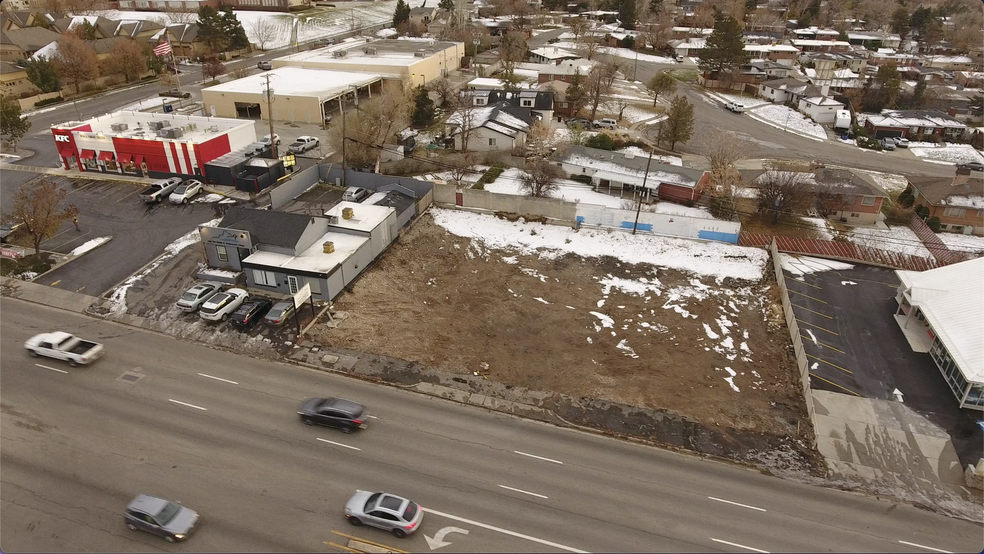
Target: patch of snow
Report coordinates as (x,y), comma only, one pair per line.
(624,345)
(952,153)
(788,119)
(802,265)
(89,245)
(896,239)
(606,321)
(637,287)
(821,227)
(963,243)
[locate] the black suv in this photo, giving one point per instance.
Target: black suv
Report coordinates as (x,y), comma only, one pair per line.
(250,313)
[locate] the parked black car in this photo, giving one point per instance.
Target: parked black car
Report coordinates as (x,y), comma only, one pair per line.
(280,313)
(175,93)
(250,313)
(333,412)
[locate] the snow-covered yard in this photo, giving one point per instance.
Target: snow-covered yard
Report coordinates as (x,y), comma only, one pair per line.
(948,153)
(963,243)
(748,101)
(896,239)
(787,118)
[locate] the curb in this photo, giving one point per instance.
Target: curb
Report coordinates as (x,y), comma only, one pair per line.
(68,258)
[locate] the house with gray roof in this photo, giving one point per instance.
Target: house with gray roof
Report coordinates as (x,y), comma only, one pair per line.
(786,90)
(21,44)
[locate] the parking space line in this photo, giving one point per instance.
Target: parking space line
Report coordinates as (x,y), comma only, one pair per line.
(830,364)
(834,384)
(807,295)
(812,312)
(825,345)
(805,283)
(128,195)
(817,327)
(367,541)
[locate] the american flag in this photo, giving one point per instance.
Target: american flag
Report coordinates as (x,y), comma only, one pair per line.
(163,49)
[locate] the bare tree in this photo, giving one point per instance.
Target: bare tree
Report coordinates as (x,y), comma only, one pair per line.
(589,46)
(241,71)
(372,125)
(576,134)
(656,29)
(827,202)
(127,57)
(76,61)
(512,50)
(263,30)
(599,83)
(464,118)
(540,141)
(579,27)
(540,178)
(783,192)
(460,168)
(445,89)
(168,80)
(178,15)
(723,151)
(39,206)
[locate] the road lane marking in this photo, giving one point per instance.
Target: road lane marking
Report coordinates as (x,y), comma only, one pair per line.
(926,547)
(56,282)
(504,531)
(830,364)
(807,295)
(51,368)
(736,504)
(345,548)
(218,378)
(815,376)
(372,417)
(814,325)
(812,312)
(822,344)
(522,491)
(367,541)
(740,546)
(186,404)
(339,444)
(538,457)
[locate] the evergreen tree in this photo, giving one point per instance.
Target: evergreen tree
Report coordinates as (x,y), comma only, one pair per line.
(233,29)
(42,73)
(423,108)
(900,22)
(627,13)
(446,5)
(661,83)
(679,123)
(655,6)
(210,29)
(13,126)
(575,93)
(402,13)
(725,47)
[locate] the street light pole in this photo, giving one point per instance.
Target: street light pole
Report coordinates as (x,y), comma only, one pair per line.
(269,97)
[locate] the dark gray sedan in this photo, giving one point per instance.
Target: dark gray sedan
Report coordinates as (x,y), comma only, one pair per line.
(161,517)
(385,511)
(334,412)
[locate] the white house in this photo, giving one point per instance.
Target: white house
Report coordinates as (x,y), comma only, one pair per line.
(823,109)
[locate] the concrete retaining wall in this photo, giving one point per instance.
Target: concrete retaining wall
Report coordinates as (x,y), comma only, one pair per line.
(660,224)
(291,188)
(552,208)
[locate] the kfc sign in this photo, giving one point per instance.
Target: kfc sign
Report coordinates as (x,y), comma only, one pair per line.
(63,138)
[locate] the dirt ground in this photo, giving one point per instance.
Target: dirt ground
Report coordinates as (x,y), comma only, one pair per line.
(447,303)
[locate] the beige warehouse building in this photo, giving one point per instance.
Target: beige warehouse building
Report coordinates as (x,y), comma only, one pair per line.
(299,95)
(414,61)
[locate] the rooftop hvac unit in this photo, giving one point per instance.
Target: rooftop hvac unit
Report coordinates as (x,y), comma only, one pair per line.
(339,53)
(164,123)
(328,247)
(172,133)
(333,220)
(420,54)
(348,213)
(155,125)
(119,127)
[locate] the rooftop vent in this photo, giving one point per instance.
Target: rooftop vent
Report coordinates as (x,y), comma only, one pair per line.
(420,54)
(339,53)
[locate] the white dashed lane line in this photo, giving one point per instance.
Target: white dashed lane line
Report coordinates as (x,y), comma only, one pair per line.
(339,444)
(51,368)
(736,545)
(736,504)
(186,404)
(522,491)
(218,379)
(925,547)
(538,457)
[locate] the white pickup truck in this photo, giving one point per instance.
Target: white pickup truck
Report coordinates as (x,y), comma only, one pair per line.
(64,346)
(160,189)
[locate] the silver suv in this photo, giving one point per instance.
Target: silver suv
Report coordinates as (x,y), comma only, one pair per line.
(385,511)
(161,517)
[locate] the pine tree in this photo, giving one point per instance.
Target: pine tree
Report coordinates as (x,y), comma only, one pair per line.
(725,47)
(233,29)
(575,94)
(13,126)
(679,123)
(446,5)
(627,13)
(423,108)
(402,13)
(42,73)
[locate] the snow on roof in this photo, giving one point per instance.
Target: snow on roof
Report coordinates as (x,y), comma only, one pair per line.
(500,128)
(553,53)
(486,82)
(313,259)
(770,48)
(814,42)
(950,59)
(822,101)
(366,217)
(295,81)
(901,119)
(388,32)
(952,301)
(975,202)
(49,51)
(605,169)
(138,126)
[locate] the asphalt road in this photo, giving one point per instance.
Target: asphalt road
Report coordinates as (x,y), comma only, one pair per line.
(77,444)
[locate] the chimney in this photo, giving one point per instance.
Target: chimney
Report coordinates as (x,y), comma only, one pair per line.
(963,174)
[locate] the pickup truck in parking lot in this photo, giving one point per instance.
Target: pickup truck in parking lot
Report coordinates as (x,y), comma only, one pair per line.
(64,346)
(160,189)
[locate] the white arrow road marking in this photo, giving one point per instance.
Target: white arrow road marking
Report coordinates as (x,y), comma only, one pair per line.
(538,457)
(926,547)
(736,504)
(339,444)
(218,378)
(51,368)
(438,540)
(740,546)
(505,531)
(897,394)
(186,404)
(522,491)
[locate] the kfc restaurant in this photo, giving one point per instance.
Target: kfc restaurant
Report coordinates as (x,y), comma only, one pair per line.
(149,144)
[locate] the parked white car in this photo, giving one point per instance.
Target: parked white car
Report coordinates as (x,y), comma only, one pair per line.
(221,306)
(186,191)
(303,144)
(355,194)
(736,107)
(266,139)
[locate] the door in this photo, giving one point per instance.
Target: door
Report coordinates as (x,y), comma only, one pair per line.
(292,284)
(383,520)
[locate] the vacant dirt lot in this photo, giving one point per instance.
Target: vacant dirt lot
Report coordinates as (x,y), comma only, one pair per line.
(590,328)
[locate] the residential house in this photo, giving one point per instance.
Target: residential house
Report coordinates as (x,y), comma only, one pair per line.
(814,45)
(916,125)
(822,109)
(940,313)
(969,79)
(627,173)
(422,16)
(853,197)
(816,33)
(767,70)
(838,79)
(175,5)
(787,90)
(958,202)
(887,56)
(874,40)
(688,47)
(782,54)
(618,37)
(21,44)
(951,63)
(185,42)
(677,33)
(494,127)
(930,75)
(564,71)
(551,55)
(20,19)
(562,109)
(14,81)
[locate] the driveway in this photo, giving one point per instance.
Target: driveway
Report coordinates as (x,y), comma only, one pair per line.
(139,233)
(855,347)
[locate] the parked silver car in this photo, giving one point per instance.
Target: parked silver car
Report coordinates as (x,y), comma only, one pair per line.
(161,517)
(385,511)
(194,297)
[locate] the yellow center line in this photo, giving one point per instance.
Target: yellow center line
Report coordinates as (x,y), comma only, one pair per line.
(811,339)
(830,364)
(390,548)
(834,384)
(336,545)
(56,282)
(812,312)
(817,326)
(808,296)
(804,283)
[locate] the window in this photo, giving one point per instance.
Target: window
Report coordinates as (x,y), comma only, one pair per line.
(867,200)
(550,77)
(526,102)
(564,105)
(479,101)
(267,278)
(221,252)
(855,214)
(491,142)
(954,212)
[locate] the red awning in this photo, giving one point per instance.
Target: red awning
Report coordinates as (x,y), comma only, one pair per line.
(137,159)
(87,154)
(124,158)
(106,156)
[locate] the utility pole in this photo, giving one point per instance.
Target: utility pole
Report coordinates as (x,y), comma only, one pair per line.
(639,206)
(270,99)
(341,106)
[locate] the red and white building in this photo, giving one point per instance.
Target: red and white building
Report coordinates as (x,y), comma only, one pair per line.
(149,144)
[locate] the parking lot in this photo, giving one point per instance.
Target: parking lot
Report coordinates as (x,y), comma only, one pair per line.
(112,209)
(854,346)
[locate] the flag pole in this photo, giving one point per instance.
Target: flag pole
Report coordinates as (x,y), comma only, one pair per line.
(168,39)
